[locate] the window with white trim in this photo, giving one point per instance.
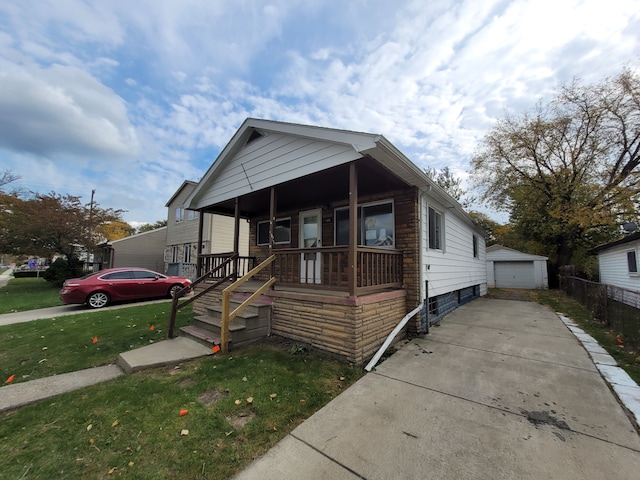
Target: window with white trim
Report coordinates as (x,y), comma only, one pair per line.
(179,214)
(192,214)
(632,262)
(174,254)
(187,253)
(435,230)
(281,232)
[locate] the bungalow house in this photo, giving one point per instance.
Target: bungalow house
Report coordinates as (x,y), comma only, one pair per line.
(181,245)
(355,234)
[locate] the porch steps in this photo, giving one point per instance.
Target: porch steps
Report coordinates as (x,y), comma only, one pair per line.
(248,326)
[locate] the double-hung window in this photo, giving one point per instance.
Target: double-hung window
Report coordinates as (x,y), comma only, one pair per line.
(187,253)
(179,214)
(435,230)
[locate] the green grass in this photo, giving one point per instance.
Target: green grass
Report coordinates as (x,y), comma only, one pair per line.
(131,426)
(22,294)
(628,359)
(64,344)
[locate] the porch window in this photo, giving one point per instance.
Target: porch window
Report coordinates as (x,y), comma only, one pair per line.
(435,230)
(192,214)
(632,261)
(281,233)
(179,214)
(376,225)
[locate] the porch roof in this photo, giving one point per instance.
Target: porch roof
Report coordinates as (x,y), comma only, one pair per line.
(305,162)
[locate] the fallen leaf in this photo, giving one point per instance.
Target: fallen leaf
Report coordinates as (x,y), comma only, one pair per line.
(238,402)
(184,433)
(250,400)
(10,379)
(273,395)
(89,427)
(115,423)
(111,470)
(130,464)
(244,379)
(43,360)
(228,433)
(44,348)
(91,441)
(342,378)
(303,400)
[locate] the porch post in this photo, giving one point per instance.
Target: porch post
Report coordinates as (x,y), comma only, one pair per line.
(199,248)
(272,227)
(353,229)
(236,238)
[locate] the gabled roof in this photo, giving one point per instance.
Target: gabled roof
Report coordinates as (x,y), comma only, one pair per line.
(180,189)
(500,252)
(629,238)
(317,149)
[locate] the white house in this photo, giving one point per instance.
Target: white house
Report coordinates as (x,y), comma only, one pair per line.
(509,268)
(360,234)
(618,262)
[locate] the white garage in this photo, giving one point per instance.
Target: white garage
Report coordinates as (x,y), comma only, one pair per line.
(508,268)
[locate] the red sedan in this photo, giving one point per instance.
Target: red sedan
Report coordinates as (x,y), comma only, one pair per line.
(99,289)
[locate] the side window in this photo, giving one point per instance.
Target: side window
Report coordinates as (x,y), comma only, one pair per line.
(174,254)
(632,261)
(117,275)
(179,214)
(475,246)
(435,230)
(143,274)
(192,214)
(187,253)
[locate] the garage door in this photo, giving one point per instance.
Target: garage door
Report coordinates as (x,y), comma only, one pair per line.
(514,275)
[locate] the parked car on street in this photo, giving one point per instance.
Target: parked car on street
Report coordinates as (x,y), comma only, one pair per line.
(101,288)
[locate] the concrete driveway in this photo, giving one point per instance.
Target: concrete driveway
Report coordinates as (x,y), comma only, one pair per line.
(501,390)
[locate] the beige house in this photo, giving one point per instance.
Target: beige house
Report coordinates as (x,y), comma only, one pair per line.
(183,227)
(143,250)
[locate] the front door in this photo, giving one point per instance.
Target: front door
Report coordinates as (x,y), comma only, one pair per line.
(310,237)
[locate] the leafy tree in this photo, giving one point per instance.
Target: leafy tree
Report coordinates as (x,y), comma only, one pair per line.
(51,224)
(147,227)
(451,184)
(567,173)
(115,230)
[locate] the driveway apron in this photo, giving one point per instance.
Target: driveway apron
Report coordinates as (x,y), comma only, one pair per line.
(502,389)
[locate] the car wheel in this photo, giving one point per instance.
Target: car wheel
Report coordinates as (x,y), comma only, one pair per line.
(174,289)
(98,300)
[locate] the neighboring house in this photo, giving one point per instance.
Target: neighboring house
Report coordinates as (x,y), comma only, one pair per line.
(619,262)
(508,268)
(181,247)
(144,250)
(361,235)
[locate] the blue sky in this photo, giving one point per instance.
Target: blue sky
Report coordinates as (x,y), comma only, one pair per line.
(131,98)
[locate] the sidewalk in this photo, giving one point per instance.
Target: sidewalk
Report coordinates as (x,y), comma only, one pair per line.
(502,389)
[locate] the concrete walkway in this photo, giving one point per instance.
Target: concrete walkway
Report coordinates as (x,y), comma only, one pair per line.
(502,390)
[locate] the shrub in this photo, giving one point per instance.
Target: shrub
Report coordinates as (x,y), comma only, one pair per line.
(58,272)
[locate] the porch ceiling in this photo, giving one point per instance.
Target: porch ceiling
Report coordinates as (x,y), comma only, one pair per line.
(327,186)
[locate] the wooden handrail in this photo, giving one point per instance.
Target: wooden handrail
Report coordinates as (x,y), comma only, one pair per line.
(226,294)
(182,292)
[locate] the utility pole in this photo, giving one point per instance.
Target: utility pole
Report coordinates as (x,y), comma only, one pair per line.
(93,192)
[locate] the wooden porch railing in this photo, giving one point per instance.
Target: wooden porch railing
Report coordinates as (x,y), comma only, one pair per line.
(327,268)
(213,262)
(222,272)
(227,316)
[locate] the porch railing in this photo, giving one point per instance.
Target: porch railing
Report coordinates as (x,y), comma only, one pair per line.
(328,268)
(213,262)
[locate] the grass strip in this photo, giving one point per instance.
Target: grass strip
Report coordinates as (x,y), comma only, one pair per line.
(22,294)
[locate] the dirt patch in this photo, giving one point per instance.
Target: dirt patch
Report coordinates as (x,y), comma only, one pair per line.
(240,420)
(509,294)
(186,382)
(212,396)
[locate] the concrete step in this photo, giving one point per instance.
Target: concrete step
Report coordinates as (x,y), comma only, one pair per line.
(214,324)
(248,313)
(200,335)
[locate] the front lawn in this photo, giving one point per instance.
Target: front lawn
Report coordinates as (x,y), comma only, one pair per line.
(22,294)
(206,419)
(64,344)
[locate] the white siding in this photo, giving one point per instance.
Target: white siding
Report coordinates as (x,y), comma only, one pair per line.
(454,267)
(614,268)
(271,160)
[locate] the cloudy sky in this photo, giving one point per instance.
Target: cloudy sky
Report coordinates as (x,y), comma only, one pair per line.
(131,98)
